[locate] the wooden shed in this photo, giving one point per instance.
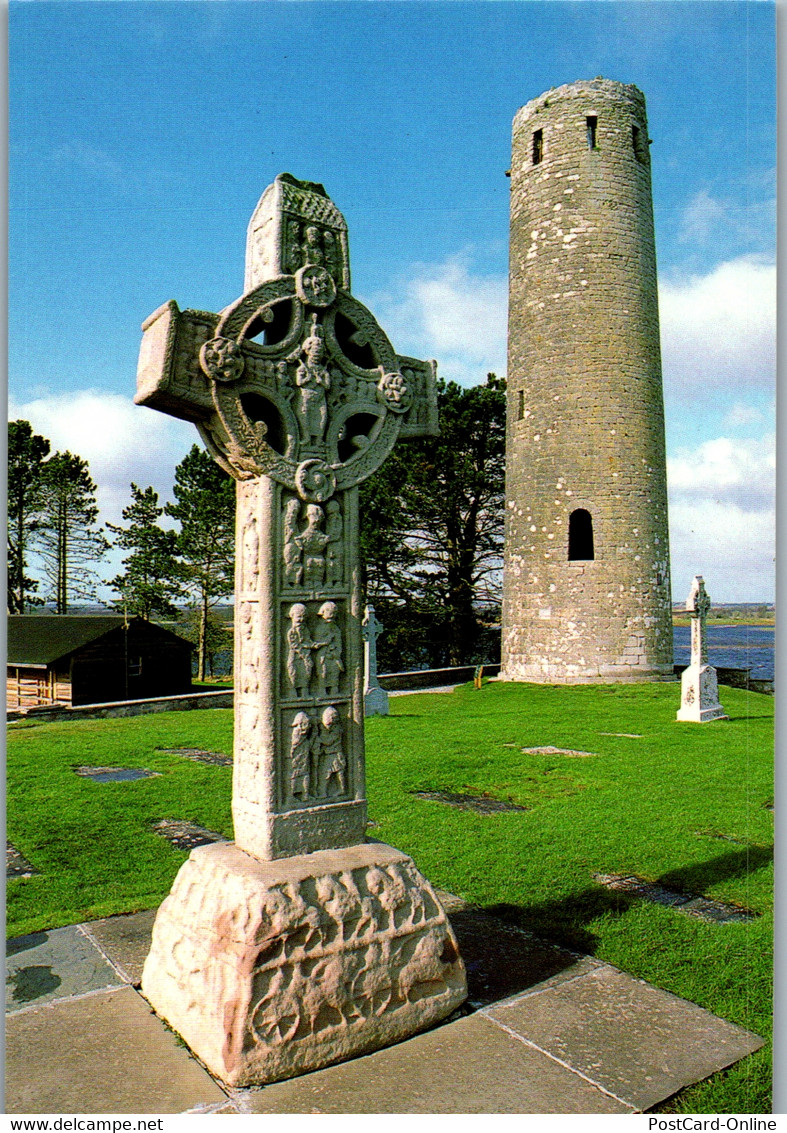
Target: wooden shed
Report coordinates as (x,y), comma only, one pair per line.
(65,659)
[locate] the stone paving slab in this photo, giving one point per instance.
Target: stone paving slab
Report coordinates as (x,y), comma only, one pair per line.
(45,966)
(102,1053)
(126,940)
(638,1042)
(470,1066)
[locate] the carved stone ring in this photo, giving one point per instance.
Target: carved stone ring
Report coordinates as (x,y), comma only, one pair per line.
(221,359)
(315,481)
(314,286)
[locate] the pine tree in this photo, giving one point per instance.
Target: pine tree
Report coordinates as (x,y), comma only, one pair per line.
(152,579)
(68,542)
(432,531)
(26,453)
(205,508)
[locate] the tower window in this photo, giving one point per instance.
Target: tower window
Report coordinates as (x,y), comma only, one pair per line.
(538,147)
(580,536)
(638,142)
(591,123)
(520,413)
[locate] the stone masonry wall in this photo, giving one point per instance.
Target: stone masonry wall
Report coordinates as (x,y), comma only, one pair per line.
(585,408)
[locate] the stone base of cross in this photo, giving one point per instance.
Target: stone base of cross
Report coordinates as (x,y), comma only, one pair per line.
(301,943)
(699,699)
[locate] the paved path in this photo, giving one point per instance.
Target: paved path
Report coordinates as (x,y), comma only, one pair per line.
(545,1031)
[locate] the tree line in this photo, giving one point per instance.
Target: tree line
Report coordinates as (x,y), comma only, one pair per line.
(431,536)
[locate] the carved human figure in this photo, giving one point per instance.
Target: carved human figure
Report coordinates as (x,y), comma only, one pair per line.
(293,568)
(333,760)
(328,647)
(312,248)
(251,553)
(300,755)
(334,554)
(312,542)
(313,380)
(300,663)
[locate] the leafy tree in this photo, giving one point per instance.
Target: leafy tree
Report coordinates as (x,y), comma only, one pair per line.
(217,635)
(26,454)
(205,507)
(432,531)
(151,581)
(68,542)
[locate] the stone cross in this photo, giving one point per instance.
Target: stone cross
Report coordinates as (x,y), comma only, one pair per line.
(299,395)
(375,697)
(699,702)
(698,605)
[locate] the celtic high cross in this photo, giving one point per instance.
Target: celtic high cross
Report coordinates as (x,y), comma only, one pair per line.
(298,394)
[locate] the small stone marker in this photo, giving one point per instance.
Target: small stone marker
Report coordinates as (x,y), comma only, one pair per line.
(375,698)
(699,691)
(704,908)
(115,774)
(298,945)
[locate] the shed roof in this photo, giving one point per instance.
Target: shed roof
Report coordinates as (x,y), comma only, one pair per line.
(39,639)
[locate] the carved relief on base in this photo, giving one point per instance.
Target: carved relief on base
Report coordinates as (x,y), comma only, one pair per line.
(270,969)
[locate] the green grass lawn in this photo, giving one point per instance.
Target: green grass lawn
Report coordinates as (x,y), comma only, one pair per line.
(683,805)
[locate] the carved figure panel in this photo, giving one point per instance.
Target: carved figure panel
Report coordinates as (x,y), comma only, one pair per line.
(314,653)
(315,757)
(313,544)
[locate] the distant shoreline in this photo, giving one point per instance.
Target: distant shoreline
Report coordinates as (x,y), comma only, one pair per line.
(685,620)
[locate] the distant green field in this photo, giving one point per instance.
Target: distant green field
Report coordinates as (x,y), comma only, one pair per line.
(681,804)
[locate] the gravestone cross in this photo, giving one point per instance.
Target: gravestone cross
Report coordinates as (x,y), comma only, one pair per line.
(375,697)
(699,701)
(300,943)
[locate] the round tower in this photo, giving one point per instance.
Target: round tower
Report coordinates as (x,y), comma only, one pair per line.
(586,592)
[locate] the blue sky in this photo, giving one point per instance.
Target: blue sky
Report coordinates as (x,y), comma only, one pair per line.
(143,133)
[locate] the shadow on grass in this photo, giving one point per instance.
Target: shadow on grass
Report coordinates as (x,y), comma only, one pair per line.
(565,922)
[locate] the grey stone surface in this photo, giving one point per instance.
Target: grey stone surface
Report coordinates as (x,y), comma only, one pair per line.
(640,1043)
(585,420)
(548,750)
(214,758)
(126,940)
(481,804)
(16,865)
(186,835)
(45,966)
(469,1066)
(114,774)
(104,1053)
(705,908)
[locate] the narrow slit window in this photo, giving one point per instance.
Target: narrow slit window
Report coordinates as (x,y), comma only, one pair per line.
(538,147)
(637,141)
(580,536)
(521,406)
(591,123)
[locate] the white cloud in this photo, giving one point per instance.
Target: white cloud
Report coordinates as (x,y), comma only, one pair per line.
(451,314)
(121,442)
(751,224)
(722,518)
(719,330)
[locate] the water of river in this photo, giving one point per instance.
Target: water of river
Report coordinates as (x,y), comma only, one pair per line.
(732,647)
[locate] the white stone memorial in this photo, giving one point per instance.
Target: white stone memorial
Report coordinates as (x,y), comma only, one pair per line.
(301,943)
(699,692)
(375,698)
